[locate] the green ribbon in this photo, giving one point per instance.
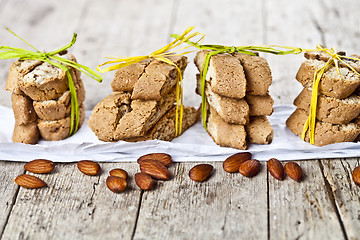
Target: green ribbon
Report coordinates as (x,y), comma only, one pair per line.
(217,49)
(57,61)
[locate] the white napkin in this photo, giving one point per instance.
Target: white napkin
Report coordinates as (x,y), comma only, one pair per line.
(193,145)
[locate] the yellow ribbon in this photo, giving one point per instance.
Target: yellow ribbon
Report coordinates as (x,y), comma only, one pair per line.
(334,60)
(162,54)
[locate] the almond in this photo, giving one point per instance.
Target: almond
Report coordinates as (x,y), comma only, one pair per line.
(116,184)
(250,168)
(29,181)
(155,169)
(164,158)
(232,163)
(356,175)
(144,181)
(40,166)
(88,167)
(276,169)
(118,172)
(200,172)
(293,170)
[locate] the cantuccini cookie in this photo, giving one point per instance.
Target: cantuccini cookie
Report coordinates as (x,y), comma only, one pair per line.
(24,112)
(329,109)
(259,130)
(164,129)
(225,74)
(325,133)
(58,129)
(26,133)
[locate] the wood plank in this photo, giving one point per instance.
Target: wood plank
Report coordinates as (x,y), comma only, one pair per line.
(75,206)
(224,207)
(134,28)
(8,189)
(338,173)
(302,210)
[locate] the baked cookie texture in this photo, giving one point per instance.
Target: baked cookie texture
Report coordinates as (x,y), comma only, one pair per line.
(239,105)
(41,100)
(325,133)
(142,104)
(338,105)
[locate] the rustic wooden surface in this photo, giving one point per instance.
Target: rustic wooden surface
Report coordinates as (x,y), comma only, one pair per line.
(325,205)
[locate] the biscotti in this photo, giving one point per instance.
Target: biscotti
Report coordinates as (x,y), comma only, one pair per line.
(259,130)
(139,107)
(331,84)
(225,134)
(257,73)
(329,109)
(41,99)
(155,78)
(338,102)
(225,74)
(58,129)
(164,129)
(325,133)
(244,114)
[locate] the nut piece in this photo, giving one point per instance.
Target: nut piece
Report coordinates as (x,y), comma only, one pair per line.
(200,172)
(232,163)
(293,170)
(29,181)
(40,166)
(250,168)
(118,172)
(356,175)
(116,184)
(276,169)
(161,157)
(155,169)
(144,181)
(89,167)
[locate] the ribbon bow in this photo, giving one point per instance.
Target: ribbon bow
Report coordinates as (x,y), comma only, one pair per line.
(57,61)
(161,54)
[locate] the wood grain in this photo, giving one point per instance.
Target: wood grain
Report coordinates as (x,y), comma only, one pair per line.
(8,189)
(345,192)
(226,206)
(75,206)
(302,210)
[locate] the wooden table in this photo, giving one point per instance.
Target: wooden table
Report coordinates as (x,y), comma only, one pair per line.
(325,205)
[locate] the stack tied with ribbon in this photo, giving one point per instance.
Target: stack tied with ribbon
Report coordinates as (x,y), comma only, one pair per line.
(328,107)
(47,92)
(142,105)
(237,98)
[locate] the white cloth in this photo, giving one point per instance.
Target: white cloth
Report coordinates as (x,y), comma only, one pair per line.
(193,145)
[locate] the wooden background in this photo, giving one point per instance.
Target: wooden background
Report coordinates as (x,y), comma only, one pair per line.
(326,205)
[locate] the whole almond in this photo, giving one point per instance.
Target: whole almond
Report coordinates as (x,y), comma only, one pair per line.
(356,175)
(294,171)
(40,166)
(250,168)
(232,163)
(276,169)
(164,158)
(200,172)
(118,172)
(116,184)
(155,169)
(144,181)
(29,181)
(89,167)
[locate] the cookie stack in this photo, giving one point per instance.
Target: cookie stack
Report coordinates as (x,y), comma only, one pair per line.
(141,106)
(238,99)
(338,105)
(41,100)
